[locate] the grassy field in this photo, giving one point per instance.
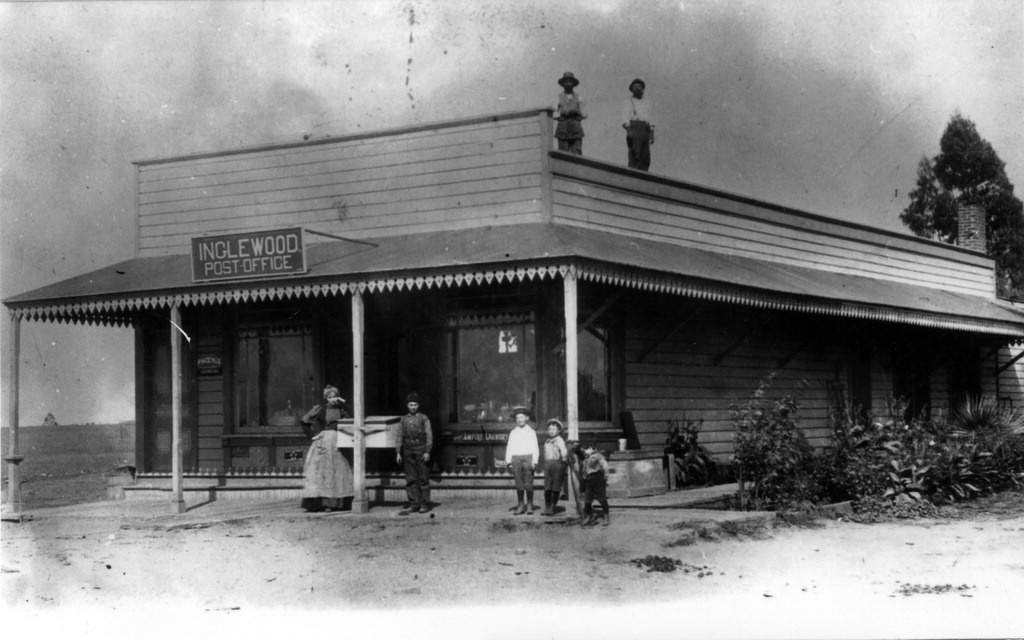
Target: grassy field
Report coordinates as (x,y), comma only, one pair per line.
(69,464)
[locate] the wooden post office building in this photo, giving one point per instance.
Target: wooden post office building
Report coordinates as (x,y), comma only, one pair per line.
(470,262)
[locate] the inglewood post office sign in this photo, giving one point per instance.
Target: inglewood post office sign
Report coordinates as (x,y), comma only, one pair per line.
(249,255)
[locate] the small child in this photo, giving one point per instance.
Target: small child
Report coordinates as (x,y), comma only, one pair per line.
(595,486)
(556,458)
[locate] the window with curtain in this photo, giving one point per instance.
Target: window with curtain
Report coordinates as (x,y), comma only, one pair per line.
(274,382)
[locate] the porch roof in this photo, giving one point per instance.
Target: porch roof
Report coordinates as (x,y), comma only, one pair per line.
(530,251)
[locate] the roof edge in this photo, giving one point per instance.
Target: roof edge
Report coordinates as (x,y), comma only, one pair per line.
(378,133)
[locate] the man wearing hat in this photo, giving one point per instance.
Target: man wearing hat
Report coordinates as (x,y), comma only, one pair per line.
(523,454)
(414,454)
(569,131)
(636,120)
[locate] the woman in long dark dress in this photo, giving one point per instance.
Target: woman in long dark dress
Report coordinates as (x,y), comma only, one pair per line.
(327,475)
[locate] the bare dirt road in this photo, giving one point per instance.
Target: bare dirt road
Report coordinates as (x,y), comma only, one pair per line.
(469,569)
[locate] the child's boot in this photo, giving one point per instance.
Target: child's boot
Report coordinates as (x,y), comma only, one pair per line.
(605,519)
(547,504)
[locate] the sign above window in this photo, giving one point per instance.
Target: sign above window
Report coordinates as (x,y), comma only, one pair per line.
(256,254)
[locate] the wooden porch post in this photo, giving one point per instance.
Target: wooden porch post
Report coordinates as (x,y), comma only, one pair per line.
(572,412)
(177,495)
(360,501)
(13,458)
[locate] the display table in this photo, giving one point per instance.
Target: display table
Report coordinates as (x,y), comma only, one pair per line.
(381,432)
(636,473)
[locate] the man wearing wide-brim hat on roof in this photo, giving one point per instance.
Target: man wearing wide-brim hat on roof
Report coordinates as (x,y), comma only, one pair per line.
(636,120)
(523,454)
(569,130)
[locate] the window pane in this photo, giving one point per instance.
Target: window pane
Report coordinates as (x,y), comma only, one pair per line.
(274,378)
(497,371)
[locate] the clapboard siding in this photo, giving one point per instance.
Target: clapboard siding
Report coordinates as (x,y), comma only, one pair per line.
(589,197)
(1008,386)
(681,378)
(421,144)
(689,227)
(210,402)
(484,173)
(474,192)
(493,215)
(599,207)
(359,190)
(354,172)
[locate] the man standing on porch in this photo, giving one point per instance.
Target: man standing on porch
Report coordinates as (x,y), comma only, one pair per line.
(414,454)
(523,453)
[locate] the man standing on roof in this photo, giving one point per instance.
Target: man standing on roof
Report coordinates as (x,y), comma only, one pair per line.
(636,120)
(569,131)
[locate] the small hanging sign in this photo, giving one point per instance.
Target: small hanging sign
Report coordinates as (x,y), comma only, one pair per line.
(209,365)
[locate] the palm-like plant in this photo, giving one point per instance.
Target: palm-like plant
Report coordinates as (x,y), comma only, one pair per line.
(980,413)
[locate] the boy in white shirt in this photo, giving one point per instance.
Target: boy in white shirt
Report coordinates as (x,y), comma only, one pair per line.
(522,454)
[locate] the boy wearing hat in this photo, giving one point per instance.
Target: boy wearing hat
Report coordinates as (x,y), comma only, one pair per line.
(523,453)
(595,486)
(636,120)
(414,454)
(556,458)
(569,130)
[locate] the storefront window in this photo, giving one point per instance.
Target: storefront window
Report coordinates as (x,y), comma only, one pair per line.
(495,365)
(273,377)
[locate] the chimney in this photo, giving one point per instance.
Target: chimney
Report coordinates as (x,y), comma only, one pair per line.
(971,227)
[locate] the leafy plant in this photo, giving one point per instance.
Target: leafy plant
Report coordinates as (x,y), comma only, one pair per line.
(907,482)
(976,413)
(773,458)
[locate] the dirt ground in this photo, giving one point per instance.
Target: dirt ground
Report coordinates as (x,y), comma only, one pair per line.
(470,569)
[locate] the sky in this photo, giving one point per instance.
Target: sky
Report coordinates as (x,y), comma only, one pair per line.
(822,105)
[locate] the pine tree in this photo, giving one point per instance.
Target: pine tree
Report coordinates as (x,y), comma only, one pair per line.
(967,170)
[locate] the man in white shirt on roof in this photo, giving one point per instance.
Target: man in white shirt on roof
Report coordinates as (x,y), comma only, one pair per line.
(636,120)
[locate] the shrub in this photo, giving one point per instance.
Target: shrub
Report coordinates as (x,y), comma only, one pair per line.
(878,459)
(857,462)
(772,456)
(941,461)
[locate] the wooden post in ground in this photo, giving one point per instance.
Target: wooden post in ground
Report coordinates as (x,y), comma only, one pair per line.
(360,501)
(177,491)
(14,458)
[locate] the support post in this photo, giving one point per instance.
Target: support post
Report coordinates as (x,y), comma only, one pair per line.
(177,493)
(572,413)
(14,457)
(360,501)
